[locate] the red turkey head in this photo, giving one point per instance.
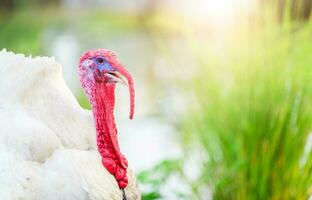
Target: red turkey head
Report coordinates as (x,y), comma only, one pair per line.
(102,66)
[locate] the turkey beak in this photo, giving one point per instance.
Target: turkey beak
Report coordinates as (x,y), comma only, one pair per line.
(117,77)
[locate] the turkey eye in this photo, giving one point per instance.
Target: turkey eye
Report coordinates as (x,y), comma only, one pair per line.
(100,60)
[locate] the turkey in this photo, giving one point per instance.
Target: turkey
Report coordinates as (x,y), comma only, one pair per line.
(47,141)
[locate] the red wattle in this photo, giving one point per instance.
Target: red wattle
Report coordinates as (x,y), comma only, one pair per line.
(103,111)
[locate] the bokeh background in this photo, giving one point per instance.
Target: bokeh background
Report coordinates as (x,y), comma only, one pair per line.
(223,87)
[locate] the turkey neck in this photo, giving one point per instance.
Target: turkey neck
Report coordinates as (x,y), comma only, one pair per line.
(108,147)
(103,111)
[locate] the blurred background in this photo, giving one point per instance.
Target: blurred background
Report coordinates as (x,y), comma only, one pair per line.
(223,87)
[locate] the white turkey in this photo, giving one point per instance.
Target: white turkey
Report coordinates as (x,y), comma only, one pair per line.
(47,141)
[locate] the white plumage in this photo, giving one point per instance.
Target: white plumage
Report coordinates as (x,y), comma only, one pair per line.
(47,141)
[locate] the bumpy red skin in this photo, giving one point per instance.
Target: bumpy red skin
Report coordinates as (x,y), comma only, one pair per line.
(102,98)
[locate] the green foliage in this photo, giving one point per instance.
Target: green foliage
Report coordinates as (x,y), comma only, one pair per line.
(253,114)
(156,177)
(18,34)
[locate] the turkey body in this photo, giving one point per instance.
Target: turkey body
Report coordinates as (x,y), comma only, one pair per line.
(47,141)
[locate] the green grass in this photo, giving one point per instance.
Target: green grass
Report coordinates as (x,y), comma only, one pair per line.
(253,113)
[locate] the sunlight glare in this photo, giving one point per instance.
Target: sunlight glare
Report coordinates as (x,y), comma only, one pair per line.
(216,13)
